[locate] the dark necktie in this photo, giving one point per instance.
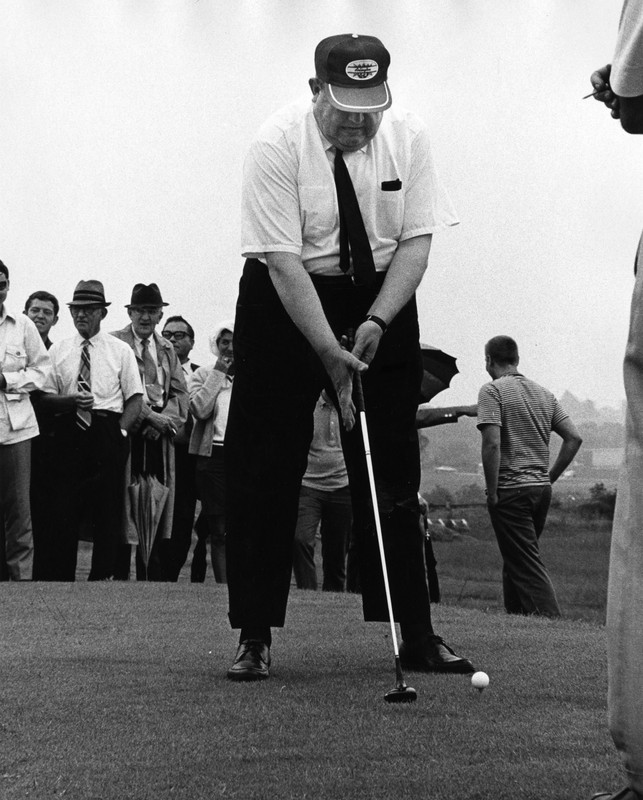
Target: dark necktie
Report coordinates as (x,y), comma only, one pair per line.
(150,374)
(352,233)
(83,415)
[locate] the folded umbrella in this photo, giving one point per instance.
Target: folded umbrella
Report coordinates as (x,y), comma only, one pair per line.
(147,501)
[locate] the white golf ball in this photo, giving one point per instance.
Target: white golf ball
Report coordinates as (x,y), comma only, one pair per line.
(480,680)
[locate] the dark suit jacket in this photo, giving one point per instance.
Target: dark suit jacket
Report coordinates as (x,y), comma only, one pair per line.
(175,388)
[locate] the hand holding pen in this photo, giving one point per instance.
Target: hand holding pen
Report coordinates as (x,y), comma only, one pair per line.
(603,91)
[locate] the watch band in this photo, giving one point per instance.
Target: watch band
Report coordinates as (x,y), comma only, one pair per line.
(378,321)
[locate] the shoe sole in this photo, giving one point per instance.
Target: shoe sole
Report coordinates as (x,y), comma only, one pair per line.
(248,676)
(457,668)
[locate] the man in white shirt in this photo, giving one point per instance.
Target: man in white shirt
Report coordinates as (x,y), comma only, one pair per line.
(23,368)
(340,200)
(620,87)
(95,391)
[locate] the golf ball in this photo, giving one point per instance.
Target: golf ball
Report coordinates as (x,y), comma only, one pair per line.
(480,680)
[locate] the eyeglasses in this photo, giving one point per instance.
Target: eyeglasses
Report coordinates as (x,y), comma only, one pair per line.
(178,335)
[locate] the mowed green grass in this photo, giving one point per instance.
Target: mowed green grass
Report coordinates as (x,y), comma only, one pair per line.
(574,548)
(117,691)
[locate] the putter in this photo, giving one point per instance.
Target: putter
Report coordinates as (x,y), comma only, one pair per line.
(402,693)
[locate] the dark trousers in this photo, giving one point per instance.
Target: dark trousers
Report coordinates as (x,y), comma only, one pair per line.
(518,521)
(278,379)
(89,495)
(331,513)
(210,484)
(175,553)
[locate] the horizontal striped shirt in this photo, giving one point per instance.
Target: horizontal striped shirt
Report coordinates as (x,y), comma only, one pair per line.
(526,414)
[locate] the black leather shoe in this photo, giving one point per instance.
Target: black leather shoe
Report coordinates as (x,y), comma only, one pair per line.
(433,655)
(252,662)
(623,794)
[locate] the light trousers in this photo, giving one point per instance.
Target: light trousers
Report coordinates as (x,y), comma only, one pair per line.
(15,512)
(625,589)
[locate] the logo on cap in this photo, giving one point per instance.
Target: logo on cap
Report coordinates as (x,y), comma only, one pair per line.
(362,70)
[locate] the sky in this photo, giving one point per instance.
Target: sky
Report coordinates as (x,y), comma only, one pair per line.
(124,124)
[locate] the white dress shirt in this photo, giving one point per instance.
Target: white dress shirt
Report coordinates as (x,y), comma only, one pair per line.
(25,364)
(289,200)
(114,371)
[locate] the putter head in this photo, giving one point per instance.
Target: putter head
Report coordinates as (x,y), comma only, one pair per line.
(401,694)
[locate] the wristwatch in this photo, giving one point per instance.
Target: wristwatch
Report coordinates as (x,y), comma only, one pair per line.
(378,321)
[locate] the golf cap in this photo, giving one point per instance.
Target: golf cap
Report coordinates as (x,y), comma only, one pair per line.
(355,68)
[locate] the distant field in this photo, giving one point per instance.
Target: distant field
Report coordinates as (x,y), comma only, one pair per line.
(577,487)
(574,548)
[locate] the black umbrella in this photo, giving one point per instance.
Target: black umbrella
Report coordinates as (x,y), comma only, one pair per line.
(439,368)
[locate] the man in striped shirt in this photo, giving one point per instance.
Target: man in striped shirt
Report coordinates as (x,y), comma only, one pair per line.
(516,417)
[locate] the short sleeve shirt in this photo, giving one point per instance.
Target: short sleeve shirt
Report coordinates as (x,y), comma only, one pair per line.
(526,414)
(626,78)
(289,200)
(114,371)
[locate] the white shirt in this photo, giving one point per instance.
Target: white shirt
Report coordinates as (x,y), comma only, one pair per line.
(151,346)
(221,411)
(626,78)
(289,200)
(25,364)
(189,373)
(114,371)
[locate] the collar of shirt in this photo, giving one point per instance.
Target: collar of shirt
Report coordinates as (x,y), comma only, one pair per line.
(6,313)
(78,339)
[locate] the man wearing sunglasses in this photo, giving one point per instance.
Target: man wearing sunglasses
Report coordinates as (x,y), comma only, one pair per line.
(24,365)
(180,334)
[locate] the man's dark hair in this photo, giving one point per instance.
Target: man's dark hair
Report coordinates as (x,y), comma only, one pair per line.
(184,321)
(42,295)
(502,350)
(4,269)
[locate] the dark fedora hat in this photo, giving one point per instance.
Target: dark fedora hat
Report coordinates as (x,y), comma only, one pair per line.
(89,293)
(143,295)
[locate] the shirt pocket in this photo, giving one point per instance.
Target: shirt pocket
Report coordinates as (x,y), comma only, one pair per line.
(15,358)
(390,213)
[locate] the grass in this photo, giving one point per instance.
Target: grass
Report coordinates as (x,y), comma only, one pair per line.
(575,550)
(118,691)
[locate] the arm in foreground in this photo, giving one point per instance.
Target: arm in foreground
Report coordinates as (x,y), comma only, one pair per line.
(427,417)
(491,460)
(570,446)
(299,298)
(629,110)
(402,279)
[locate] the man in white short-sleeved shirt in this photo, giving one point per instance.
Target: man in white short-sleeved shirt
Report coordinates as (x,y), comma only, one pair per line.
(620,87)
(340,200)
(96,405)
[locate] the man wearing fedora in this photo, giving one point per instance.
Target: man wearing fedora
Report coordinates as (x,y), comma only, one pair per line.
(23,368)
(163,412)
(94,391)
(339,203)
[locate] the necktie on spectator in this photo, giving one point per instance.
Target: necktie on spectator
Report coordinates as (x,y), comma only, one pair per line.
(352,233)
(150,373)
(83,415)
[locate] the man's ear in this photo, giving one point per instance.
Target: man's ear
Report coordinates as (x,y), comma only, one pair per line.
(55,321)
(315,87)
(104,314)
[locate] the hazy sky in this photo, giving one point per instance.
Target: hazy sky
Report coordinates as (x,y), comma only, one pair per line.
(123,127)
